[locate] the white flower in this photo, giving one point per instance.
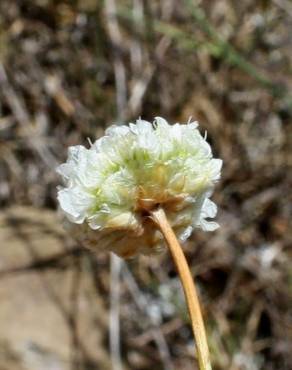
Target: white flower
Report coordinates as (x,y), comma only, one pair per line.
(111,187)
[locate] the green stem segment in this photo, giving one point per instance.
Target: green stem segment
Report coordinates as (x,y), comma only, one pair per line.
(189,288)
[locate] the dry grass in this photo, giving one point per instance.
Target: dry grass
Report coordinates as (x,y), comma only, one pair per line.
(68,69)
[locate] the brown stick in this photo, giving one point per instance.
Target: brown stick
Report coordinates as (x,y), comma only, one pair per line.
(188,286)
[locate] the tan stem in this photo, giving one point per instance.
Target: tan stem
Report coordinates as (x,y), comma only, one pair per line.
(188,286)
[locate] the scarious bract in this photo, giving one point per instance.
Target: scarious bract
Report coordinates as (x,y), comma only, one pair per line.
(110,188)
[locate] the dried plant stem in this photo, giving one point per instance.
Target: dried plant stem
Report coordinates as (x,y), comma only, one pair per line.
(188,286)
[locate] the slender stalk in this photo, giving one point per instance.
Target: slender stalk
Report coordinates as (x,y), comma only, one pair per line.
(188,286)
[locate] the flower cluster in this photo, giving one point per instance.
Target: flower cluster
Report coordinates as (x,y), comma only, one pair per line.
(112,187)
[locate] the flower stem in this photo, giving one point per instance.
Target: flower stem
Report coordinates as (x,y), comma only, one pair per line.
(189,288)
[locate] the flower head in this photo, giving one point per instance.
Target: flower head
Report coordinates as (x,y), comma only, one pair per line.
(111,188)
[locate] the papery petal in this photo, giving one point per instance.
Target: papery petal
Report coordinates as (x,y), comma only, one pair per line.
(75,203)
(141,127)
(117,130)
(186,234)
(209,210)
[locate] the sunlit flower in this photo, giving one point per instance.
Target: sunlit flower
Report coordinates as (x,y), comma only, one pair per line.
(111,188)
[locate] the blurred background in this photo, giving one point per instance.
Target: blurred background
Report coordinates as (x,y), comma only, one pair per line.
(68,69)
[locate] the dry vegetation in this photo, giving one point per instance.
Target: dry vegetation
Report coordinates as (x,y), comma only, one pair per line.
(70,68)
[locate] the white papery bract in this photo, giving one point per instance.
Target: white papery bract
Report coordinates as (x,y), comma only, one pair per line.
(110,189)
